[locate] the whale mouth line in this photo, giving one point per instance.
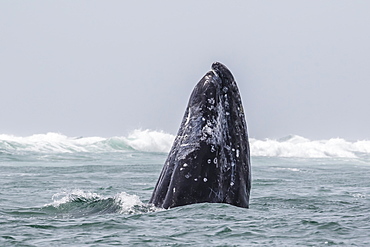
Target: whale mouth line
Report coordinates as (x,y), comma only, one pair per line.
(214,72)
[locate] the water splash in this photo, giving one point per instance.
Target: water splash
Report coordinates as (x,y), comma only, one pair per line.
(78,203)
(297,146)
(161,142)
(139,140)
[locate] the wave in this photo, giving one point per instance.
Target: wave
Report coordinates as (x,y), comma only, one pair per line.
(138,140)
(300,147)
(78,203)
(159,141)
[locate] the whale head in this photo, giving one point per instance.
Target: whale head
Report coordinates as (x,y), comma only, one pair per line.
(209,160)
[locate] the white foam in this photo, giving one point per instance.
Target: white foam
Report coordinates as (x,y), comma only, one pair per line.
(150,141)
(69,196)
(127,202)
(159,141)
(297,146)
(140,140)
(49,142)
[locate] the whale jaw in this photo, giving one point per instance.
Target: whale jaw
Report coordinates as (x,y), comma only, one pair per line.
(209,160)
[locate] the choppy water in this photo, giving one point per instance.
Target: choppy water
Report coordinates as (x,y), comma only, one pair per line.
(61,191)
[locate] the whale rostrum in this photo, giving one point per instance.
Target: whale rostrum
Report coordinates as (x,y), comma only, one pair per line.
(209,160)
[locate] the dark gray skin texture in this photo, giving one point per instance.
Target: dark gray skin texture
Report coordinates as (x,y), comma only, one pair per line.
(209,160)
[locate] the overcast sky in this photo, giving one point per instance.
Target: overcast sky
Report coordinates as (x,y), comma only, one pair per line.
(105,68)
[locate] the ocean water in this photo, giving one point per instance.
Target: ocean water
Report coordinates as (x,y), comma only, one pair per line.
(92,191)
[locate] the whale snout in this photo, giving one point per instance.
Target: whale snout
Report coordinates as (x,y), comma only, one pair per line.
(222,71)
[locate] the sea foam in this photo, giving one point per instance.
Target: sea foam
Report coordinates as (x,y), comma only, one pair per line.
(139,140)
(297,146)
(161,142)
(81,203)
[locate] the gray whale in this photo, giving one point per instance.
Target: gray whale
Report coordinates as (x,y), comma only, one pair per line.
(209,160)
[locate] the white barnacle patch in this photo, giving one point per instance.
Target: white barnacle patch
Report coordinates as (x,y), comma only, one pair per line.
(215,160)
(195,179)
(207,130)
(209,161)
(187,119)
(205,179)
(174,190)
(206,81)
(182,168)
(211,101)
(237,153)
(185,165)
(227,113)
(203,119)
(213,149)
(233,149)
(232,184)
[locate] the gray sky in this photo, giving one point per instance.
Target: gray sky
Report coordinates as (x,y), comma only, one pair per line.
(104,68)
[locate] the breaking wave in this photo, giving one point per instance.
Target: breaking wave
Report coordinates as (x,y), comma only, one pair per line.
(138,140)
(297,146)
(159,141)
(78,203)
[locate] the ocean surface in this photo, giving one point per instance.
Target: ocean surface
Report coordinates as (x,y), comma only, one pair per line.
(92,191)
